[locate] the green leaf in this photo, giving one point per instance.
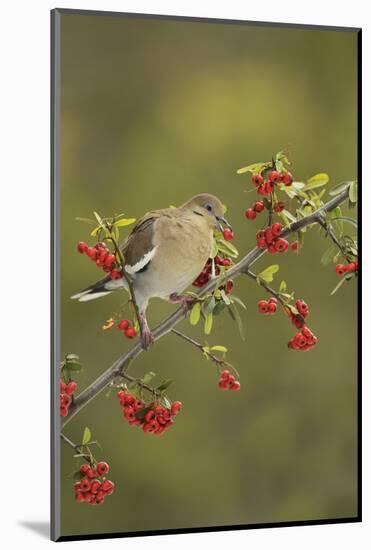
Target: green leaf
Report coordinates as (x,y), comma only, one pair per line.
(319,180)
(267,274)
(353,192)
(141,413)
(86,436)
(76,367)
(219,348)
(72,358)
(148,377)
(208,306)
(164,385)
(328,255)
(214,249)
(341,282)
(283,286)
(195,314)
(220,306)
(225,298)
(227,248)
(124,222)
(254,168)
(85,220)
(352,221)
(208,323)
(340,187)
(237,300)
(96,231)
(234,313)
(78,475)
(98,218)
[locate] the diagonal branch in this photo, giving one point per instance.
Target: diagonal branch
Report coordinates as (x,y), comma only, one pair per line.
(122,363)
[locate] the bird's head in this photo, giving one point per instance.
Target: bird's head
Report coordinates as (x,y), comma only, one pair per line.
(210,207)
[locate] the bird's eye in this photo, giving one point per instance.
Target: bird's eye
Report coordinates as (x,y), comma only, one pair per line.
(209,208)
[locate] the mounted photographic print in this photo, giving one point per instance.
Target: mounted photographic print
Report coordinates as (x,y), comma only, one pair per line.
(205,275)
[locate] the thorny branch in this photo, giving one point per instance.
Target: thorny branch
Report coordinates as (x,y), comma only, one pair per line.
(121,364)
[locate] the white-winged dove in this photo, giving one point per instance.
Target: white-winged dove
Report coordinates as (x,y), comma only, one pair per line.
(164,253)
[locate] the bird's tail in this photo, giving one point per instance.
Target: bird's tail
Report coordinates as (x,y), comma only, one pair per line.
(99,289)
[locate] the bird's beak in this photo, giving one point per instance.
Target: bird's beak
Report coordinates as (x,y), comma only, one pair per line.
(222,221)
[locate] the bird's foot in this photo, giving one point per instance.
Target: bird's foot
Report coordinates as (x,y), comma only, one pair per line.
(147,339)
(184,300)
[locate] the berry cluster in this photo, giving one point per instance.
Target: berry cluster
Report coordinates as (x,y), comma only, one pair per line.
(268,307)
(94,486)
(341,269)
(126,327)
(265,187)
(303,340)
(270,239)
(205,275)
(152,418)
(256,208)
(67,390)
(103,258)
(227,381)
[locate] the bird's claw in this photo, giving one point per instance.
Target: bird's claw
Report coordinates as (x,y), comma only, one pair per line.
(147,339)
(185,301)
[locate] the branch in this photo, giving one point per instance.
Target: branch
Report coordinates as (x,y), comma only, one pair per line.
(121,364)
(265,285)
(76,448)
(329,231)
(218,360)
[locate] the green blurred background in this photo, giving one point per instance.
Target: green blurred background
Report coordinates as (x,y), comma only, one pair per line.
(153,112)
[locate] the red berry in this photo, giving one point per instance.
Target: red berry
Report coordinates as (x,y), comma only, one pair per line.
(65,400)
(95,486)
(176,407)
(138,404)
(82,247)
(259,206)
(250,214)
(84,468)
(149,416)
(71,387)
(62,386)
(302,307)
(92,473)
(269,187)
(281,245)
(228,234)
(257,179)
(229,286)
(263,306)
(287,178)
(115,274)
(63,410)
(274,176)
(225,375)
(79,497)
(273,300)
(272,249)
(92,253)
(295,246)
(235,385)
(102,468)
(272,307)
(123,324)
(110,259)
(262,190)
(279,206)
(130,332)
(84,485)
(226,262)
(276,228)
(268,235)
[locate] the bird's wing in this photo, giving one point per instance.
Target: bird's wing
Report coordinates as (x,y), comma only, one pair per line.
(138,249)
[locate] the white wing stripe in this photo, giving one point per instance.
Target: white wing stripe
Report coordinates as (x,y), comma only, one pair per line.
(132,269)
